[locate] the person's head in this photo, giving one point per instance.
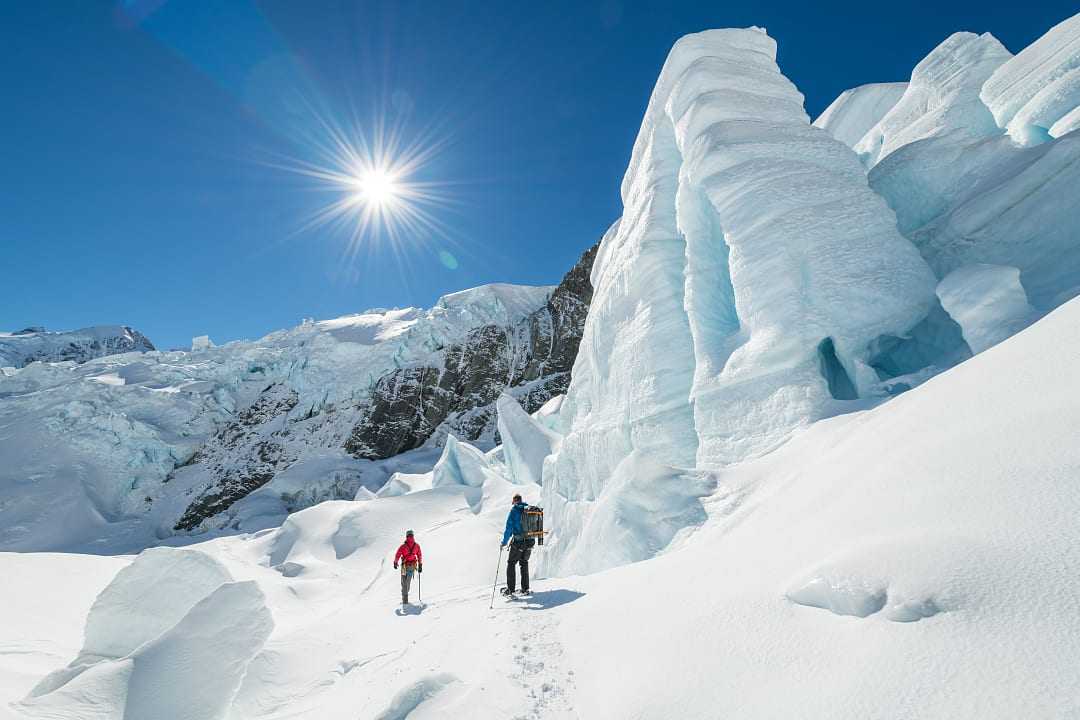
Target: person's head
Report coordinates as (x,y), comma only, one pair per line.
(409,536)
(517,499)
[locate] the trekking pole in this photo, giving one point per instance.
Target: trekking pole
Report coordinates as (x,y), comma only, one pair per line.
(419,595)
(498,563)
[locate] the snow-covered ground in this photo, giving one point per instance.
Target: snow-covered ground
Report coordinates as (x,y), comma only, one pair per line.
(818,457)
(915,560)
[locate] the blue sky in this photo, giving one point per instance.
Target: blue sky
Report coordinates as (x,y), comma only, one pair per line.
(146,144)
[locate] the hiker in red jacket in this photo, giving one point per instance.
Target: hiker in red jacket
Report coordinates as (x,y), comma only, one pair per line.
(411,560)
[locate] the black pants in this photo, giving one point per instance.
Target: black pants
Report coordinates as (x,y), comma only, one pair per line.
(520,550)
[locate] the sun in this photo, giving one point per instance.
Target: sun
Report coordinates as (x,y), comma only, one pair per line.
(377,187)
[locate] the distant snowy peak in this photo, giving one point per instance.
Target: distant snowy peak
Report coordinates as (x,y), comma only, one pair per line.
(36,344)
(851,115)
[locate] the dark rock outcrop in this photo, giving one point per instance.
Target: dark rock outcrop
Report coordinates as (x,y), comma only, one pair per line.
(243,455)
(532,359)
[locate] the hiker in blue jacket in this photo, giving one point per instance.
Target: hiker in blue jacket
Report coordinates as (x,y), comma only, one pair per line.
(520,548)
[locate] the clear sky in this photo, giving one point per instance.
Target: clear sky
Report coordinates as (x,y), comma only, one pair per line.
(148,146)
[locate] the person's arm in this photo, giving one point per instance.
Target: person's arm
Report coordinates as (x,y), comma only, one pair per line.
(509,528)
(419,559)
(398,555)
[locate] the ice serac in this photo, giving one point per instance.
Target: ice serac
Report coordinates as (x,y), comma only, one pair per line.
(1036,94)
(851,115)
(967,193)
(739,294)
(525,441)
(942,97)
(988,302)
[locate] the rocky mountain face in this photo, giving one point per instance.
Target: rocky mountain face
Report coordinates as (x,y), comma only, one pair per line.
(532,359)
(35,344)
(454,392)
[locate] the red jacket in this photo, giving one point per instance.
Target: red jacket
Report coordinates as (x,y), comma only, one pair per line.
(409,552)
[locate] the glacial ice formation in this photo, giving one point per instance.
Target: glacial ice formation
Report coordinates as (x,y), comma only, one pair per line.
(747,242)
(988,302)
(851,115)
(1036,95)
(525,441)
(942,96)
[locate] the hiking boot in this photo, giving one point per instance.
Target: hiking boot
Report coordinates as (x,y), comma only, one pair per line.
(507,591)
(525,591)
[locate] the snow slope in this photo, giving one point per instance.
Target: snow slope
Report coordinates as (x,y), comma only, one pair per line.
(869,568)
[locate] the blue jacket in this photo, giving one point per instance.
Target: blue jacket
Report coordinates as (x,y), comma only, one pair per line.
(513,522)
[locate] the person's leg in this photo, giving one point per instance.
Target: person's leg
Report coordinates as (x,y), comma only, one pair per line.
(511,560)
(524,562)
(406,581)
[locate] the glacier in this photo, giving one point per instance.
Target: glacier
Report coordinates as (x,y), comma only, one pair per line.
(128,446)
(816,447)
(723,315)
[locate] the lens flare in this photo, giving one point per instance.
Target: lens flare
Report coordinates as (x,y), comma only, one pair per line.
(379,184)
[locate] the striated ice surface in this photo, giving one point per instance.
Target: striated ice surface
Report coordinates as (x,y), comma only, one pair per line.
(1036,94)
(942,97)
(851,115)
(988,302)
(738,295)
(525,442)
(965,192)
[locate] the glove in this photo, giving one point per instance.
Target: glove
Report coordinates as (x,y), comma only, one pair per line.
(395,565)
(420,567)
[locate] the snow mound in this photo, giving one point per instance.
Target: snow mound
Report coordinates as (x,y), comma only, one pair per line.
(942,96)
(170,636)
(525,442)
(145,599)
(409,703)
(988,302)
(851,115)
(840,596)
(1036,95)
(192,671)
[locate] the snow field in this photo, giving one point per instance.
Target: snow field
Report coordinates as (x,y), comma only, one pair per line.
(869,568)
